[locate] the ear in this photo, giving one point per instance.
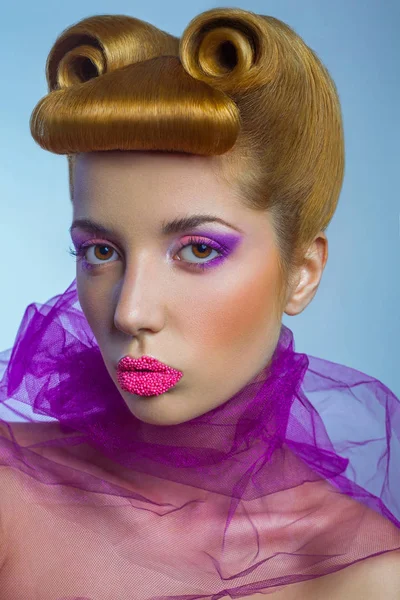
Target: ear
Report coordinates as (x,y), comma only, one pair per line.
(309,276)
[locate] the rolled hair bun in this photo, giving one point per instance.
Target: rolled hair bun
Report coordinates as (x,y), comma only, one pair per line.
(237,85)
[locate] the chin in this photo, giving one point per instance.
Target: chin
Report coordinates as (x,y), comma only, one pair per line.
(155,410)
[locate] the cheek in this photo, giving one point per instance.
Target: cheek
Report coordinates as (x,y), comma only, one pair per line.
(241,311)
(93,301)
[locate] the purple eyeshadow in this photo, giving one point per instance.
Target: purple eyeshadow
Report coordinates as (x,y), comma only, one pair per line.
(226,240)
(224,243)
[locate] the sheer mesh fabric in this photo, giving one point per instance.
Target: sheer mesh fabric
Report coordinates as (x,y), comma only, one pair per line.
(293,478)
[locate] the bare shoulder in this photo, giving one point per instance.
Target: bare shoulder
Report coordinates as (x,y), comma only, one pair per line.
(387,567)
(388,562)
(374,577)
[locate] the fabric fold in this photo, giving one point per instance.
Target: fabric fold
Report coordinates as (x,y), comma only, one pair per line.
(294,477)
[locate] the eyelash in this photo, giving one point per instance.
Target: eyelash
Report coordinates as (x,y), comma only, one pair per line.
(193,241)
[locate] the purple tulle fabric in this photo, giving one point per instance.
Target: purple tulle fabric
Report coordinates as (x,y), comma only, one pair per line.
(295,477)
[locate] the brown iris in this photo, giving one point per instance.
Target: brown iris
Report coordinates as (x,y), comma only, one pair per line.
(99,248)
(207,248)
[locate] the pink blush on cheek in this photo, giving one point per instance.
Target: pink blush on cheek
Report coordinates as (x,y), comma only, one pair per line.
(247,309)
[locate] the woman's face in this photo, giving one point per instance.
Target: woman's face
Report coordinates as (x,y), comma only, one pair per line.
(143,292)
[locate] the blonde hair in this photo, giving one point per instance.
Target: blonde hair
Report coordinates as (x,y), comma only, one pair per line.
(238,86)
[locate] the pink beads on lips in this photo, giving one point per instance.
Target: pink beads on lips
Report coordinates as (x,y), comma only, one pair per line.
(146,383)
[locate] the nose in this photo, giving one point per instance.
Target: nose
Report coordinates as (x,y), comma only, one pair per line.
(140,301)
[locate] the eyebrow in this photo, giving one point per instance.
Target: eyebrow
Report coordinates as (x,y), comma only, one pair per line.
(167,228)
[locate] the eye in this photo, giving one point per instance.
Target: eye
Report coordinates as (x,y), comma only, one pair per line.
(99,253)
(202,249)
(199,250)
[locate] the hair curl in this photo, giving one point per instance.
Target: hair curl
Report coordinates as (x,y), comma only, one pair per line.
(238,86)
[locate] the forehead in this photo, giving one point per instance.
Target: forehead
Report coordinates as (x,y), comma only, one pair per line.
(156,180)
(146,167)
(146,186)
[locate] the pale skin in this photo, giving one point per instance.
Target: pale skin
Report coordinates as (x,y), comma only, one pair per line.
(144,300)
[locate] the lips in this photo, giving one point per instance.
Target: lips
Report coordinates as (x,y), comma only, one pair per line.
(144,363)
(146,376)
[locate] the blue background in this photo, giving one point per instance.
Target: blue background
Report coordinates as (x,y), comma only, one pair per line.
(354,318)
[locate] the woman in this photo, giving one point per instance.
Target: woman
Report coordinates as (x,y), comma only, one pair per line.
(185,456)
